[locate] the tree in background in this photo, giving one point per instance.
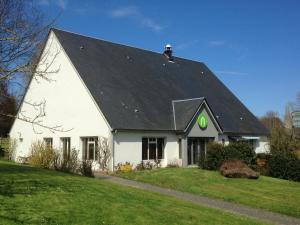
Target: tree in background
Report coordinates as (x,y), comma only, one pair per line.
(288,122)
(8,106)
(22,36)
(272,121)
(281,139)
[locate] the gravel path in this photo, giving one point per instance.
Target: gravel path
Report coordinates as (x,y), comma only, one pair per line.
(260,214)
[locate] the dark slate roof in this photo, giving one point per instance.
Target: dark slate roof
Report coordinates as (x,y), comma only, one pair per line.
(184,110)
(134,88)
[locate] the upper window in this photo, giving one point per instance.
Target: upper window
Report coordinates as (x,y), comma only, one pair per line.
(66,147)
(90,148)
(152,148)
(48,142)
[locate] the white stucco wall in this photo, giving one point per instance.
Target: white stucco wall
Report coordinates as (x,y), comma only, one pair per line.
(68,103)
(262,145)
(128,147)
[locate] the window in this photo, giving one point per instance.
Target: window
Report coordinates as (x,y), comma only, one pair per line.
(66,147)
(152,148)
(90,148)
(48,142)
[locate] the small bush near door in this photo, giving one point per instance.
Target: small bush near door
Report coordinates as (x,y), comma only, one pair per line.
(86,168)
(217,153)
(214,156)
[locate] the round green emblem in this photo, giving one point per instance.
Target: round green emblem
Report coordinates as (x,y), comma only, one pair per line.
(202,121)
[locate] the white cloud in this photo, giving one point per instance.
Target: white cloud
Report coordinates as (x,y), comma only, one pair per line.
(225,72)
(134,13)
(125,12)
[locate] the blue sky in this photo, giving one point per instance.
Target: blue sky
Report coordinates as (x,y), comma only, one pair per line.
(252,46)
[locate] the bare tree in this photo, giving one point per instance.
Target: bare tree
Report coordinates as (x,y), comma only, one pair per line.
(288,121)
(104,153)
(271,120)
(22,39)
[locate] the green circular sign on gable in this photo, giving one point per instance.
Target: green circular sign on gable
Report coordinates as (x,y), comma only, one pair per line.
(202,121)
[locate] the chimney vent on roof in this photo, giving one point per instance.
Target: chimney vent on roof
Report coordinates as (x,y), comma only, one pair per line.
(168,52)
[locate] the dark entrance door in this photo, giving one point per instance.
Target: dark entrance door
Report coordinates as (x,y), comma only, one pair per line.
(196,149)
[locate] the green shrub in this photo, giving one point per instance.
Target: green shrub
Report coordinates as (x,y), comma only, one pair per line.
(41,155)
(86,168)
(241,151)
(214,156)
(284,166)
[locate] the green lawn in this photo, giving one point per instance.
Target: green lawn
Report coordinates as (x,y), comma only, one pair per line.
(267,193)
(35,196)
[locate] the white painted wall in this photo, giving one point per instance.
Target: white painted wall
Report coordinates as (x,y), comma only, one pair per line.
(262,145)
(68,103)
(128,147)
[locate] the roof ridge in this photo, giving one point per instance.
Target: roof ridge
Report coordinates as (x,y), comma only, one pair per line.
(123,45)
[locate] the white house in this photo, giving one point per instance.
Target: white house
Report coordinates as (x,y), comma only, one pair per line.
(149,105)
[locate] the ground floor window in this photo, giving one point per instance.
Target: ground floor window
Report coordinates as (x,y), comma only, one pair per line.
(152,148)
(89,148)
(66,147)
(48,142)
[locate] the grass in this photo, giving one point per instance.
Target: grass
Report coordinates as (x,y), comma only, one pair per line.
(267,193)
(31,195)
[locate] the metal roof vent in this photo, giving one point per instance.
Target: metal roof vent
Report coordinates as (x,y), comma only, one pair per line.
(168,52)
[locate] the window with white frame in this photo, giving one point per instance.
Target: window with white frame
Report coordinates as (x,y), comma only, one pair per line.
(90,148)
(66,147)
(48,142)
(152,148)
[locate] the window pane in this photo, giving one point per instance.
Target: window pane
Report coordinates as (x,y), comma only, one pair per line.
(96,149)
(144,148)
(65,150)
(91,150)
(160,148)
(66,143)
(152,139)
(152,151)
(48,142)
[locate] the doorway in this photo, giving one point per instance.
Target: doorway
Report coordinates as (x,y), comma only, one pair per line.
(196,149)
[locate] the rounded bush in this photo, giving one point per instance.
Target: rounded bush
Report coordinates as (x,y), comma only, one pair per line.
(214,156)
(284,166)
(240,151)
